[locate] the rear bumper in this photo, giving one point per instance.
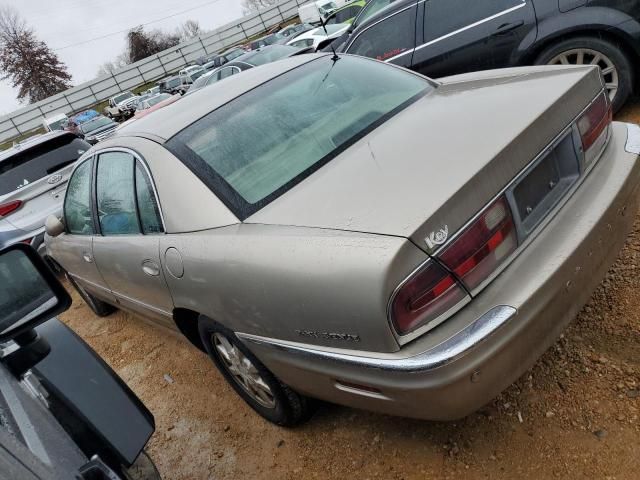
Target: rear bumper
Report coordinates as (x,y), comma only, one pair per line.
(455,369)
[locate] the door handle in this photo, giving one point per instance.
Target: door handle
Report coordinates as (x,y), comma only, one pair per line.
(507,27)
(87,257)
(151,268)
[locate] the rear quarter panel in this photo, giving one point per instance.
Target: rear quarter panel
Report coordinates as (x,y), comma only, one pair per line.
(274,280)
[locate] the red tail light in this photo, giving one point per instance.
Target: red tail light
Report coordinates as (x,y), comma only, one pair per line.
(426,295)
(7,208)
(595,120)
(483,246)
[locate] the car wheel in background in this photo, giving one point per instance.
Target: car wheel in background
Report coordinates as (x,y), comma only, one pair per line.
(612,60)
(256,385)
(100,308)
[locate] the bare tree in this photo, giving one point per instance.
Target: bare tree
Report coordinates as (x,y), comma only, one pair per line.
(27,62)
(141,44)
(108,68)
(251,6)
(189,29)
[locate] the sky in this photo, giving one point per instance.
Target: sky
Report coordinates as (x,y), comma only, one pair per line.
(63,24)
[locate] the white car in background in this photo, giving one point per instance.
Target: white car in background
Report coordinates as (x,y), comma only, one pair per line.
(188,70)
(313,38)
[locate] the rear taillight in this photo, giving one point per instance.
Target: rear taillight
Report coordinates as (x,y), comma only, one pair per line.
(423,297)
(593,125)
(471,258)
(9,207)
(482,247)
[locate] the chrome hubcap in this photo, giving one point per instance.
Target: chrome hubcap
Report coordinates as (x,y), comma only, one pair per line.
(243,371)
(586,56)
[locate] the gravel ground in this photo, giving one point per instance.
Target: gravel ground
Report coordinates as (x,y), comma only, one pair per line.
(573,415)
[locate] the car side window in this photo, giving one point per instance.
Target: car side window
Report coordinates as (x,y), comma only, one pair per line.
(115,193)
(226,72)
(446,16)
(392,36)
(147,206)
(370,9)
(77,203)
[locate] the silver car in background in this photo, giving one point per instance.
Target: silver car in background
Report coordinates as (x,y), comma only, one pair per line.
(33,179)
(338,228)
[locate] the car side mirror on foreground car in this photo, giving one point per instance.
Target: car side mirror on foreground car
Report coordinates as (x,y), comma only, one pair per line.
(30,294)
(53,226)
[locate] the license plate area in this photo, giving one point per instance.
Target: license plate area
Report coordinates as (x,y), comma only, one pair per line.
(543,184)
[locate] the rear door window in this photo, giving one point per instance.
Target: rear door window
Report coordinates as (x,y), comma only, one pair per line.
(370,9)
(77,203)
(390,37)
(445,16)
(32,164)
(115,193)
(147,206)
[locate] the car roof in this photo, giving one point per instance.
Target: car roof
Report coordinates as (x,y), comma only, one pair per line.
(165,123)
(316,32)
(28,143)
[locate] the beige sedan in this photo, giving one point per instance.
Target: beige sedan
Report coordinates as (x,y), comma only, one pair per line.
(342,229)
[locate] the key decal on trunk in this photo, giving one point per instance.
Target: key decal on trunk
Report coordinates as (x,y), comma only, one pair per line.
(437,238)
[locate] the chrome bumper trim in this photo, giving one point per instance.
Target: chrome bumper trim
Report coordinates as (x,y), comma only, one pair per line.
(440,355)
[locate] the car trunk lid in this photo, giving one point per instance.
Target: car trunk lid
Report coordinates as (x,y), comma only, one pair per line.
(432,167)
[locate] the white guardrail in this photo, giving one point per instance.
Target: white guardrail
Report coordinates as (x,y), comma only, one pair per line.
(147,70)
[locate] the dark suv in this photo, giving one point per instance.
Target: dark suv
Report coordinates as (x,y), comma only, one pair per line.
(446,37)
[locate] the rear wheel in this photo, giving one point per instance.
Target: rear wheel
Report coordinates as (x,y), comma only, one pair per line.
(610,57)
(100,308)
(257,386)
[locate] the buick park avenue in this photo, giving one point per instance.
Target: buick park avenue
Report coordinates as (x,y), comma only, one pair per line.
(334,227)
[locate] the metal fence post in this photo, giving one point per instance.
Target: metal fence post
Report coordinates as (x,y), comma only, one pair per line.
(115,80)
(203,47)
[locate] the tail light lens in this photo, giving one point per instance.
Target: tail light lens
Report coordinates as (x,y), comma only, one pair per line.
(483,246)
(9,207)
(423,297)
(593,124)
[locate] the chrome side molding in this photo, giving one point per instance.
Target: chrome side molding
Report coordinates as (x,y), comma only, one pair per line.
(440,355)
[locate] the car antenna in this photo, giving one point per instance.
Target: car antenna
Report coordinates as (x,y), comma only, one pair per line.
(335,57)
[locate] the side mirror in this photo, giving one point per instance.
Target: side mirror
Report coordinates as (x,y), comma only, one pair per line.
(53,226)
(30,294)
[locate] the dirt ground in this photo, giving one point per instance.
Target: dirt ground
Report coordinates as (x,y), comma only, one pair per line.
(575,414)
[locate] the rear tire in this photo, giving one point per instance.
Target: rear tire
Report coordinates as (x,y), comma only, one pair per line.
(274,400)
(609,56)
(100,308)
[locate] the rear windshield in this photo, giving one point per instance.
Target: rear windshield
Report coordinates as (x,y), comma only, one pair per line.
(94,124)
(231,54)
(122,97)
(268,55)
(313,113)
(40,161)
(173,82)
(197,74)
(158,98)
